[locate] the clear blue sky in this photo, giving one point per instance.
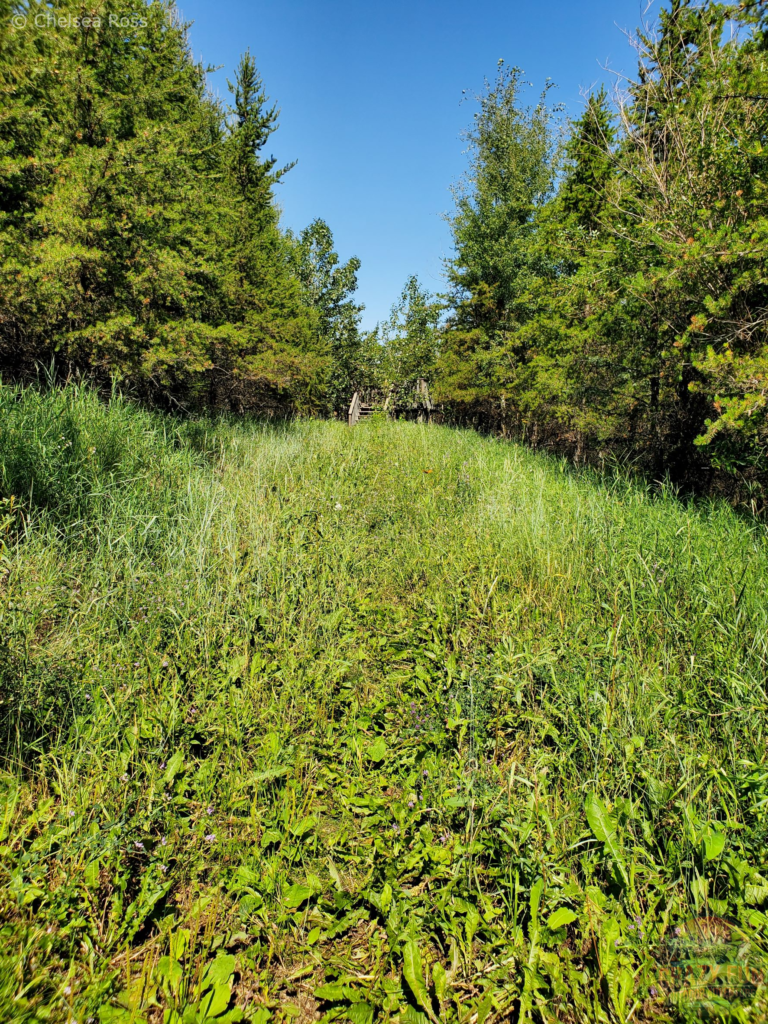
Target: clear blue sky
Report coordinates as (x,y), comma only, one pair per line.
(370,98)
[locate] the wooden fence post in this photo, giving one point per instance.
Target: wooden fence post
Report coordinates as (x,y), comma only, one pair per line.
(354,409)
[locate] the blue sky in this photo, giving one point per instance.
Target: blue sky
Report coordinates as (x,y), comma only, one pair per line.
(370,98)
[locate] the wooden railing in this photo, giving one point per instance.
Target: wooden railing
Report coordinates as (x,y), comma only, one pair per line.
(416,404)
(422,391)
(354,409)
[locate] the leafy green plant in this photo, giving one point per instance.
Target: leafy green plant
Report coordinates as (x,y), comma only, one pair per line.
(294,728)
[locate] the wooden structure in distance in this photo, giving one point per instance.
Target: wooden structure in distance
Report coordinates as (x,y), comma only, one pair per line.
(420,409)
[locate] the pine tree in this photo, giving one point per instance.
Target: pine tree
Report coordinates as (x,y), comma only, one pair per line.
(328,287)
(512,169)
(591,163)
(514,157)
(410,338)
(252,123)
(139,237)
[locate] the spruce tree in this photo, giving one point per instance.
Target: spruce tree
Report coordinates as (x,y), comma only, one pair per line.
(591,163)
(328,287)
(410,338)
(139,238)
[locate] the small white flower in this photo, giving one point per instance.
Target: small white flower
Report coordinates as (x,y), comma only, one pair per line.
(337,506)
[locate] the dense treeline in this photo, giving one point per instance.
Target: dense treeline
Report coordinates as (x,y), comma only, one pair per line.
(609,289)
(607,292)
(139,236)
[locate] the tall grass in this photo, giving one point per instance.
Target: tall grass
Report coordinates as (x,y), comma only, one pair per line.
(396,723)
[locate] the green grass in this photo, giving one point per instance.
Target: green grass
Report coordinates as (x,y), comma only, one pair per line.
(391,723)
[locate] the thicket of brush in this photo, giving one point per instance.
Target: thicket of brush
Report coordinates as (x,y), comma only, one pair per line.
(399,723)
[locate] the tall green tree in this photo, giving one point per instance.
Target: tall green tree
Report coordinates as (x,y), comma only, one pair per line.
(410,339)
(693,186)
(626,310)
(252,121)
(138,233)
(514,159)
(513,162)
(328,287)
(590,163)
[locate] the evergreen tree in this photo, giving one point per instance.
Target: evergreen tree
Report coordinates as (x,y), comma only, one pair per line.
(138,233)
(514,157)
(590,163)
(628,311)
(252,122)
(410,339)
(328,288)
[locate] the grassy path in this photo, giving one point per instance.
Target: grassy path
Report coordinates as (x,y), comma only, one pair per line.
(397,723)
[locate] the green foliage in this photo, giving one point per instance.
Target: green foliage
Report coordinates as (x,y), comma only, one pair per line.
(138,229)
(407,343)
(514,160)
(590,164)
(626,312)
(328,288)
(253,123)
(512,167)
(398,723)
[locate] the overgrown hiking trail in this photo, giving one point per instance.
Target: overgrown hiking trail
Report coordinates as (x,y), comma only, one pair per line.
(398,723)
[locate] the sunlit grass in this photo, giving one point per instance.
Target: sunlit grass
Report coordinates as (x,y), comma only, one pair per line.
(335,703)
